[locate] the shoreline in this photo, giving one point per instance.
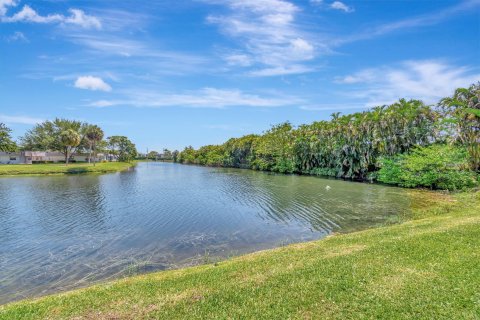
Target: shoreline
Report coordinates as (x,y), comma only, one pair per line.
(53,169)
(442,216)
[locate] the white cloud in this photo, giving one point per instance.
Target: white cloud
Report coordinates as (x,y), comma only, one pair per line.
(17,36)
(4,4)
(27,14)
(77,17)
(268,34)
(427,80)
(19,119)
(92,83)
(338,5)
(204,98)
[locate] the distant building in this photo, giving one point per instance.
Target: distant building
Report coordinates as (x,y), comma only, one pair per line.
(29,157)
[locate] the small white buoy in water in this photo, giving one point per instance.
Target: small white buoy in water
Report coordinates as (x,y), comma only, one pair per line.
(328,188)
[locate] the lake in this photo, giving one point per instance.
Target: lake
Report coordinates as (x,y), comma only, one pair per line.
(64,232)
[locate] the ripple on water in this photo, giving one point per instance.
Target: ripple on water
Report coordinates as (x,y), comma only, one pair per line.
(63,232)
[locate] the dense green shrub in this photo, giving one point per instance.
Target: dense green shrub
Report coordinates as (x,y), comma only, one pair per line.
(436,167)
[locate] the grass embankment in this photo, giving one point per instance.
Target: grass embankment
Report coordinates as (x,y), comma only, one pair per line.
(59,168)
(425,268)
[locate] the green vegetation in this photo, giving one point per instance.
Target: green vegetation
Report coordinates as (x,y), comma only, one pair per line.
(426,268)
(356,146)
(6,142)
(76,168)
(122,148)
(436,167)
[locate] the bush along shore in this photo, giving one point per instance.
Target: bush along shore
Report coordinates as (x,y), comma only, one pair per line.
(425,268)
(59,168)
(408,144)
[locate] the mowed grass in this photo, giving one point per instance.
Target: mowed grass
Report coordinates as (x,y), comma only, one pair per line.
(61,168)
(425,268)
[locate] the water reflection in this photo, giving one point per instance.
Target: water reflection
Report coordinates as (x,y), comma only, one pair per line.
(63,232)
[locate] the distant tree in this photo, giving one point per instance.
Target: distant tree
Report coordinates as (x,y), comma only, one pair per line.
(167,154)
(122,147)
(70,139)
(152,155)
(188,155)
(94,135)
(175,154)
(6,142)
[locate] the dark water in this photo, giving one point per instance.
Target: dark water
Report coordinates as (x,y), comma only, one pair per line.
(62,232)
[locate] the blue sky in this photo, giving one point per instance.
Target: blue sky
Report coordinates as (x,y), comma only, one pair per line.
(177,73)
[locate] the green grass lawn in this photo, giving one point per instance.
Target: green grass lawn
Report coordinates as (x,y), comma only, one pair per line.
(61,168)
(425,268)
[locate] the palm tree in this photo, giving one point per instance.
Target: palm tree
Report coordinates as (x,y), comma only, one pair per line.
(463,111)
(69,139)
(94,136)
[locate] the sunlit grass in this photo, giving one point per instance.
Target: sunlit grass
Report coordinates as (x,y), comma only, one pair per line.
(425,268)
(61,168)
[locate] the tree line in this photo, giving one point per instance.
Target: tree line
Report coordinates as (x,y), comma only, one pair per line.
(360,145)
(69,137)
(165,155)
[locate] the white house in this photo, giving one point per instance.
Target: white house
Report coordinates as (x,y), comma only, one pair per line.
(29,157)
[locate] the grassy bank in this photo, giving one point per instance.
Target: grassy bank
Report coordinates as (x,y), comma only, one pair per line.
(57,168)
(426,268)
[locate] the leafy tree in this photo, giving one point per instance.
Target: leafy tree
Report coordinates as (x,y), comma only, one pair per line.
(46,136)
(6,142)
(94,135)
(167,154)
(175,155)
(187,156)
(152,155)
(122,147)
(70,139)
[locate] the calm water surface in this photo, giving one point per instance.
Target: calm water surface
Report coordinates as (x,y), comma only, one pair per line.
(62,232)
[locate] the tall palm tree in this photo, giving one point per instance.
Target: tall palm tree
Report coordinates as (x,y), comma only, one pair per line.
(94,136)
(69,139)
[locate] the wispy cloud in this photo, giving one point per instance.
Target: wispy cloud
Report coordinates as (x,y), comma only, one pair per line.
(423,20)
(19,119)
(28,14)
(92,83)
(270,40)
(145,56)
(428,80)
(338,5)
(17,36)
(204,98)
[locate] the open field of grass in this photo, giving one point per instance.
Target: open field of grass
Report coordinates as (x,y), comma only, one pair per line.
(425,268)
(60,168)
